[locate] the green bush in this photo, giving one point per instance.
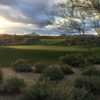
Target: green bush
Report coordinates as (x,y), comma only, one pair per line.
(53,72)
(39,68)
(93,58)
(81,94)
(67,69)
(12,86)
(58,93)
(43,90)
(91,71)
(39,91)
(96,59)
(75,60)
(22,66)
(92,84)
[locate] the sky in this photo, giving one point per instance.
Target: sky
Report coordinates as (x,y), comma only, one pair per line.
(23,16)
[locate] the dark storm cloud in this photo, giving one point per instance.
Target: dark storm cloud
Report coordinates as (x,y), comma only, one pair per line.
(37,12)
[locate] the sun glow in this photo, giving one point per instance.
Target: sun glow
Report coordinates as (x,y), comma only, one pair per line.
(3,24)
(6,25)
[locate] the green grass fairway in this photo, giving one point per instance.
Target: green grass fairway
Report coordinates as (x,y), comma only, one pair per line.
(47,54)
(48,48)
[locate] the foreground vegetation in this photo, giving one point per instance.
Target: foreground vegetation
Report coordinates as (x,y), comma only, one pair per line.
(51,70)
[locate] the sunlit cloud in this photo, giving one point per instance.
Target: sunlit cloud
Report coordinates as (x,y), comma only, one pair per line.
(9,27)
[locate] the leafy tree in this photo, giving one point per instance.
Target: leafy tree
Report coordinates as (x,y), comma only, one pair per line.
(81,10)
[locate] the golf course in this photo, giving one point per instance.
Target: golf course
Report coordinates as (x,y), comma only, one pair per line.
(38,53)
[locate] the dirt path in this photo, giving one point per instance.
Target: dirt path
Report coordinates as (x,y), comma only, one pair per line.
(29,78)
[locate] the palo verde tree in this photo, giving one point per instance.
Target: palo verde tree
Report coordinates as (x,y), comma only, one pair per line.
(78,11)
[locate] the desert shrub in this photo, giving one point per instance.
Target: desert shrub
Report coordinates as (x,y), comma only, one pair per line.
(43,90)
(81,94)
(91,71)
(39,91)
(12,85)
(58,93)
(67,69)
(75,60)
(92,84)
(39,68)
(96,59)
(93,58)
(53,72)
(22,66)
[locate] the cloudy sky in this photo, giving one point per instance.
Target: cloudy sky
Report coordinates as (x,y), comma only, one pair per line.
(23,16)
